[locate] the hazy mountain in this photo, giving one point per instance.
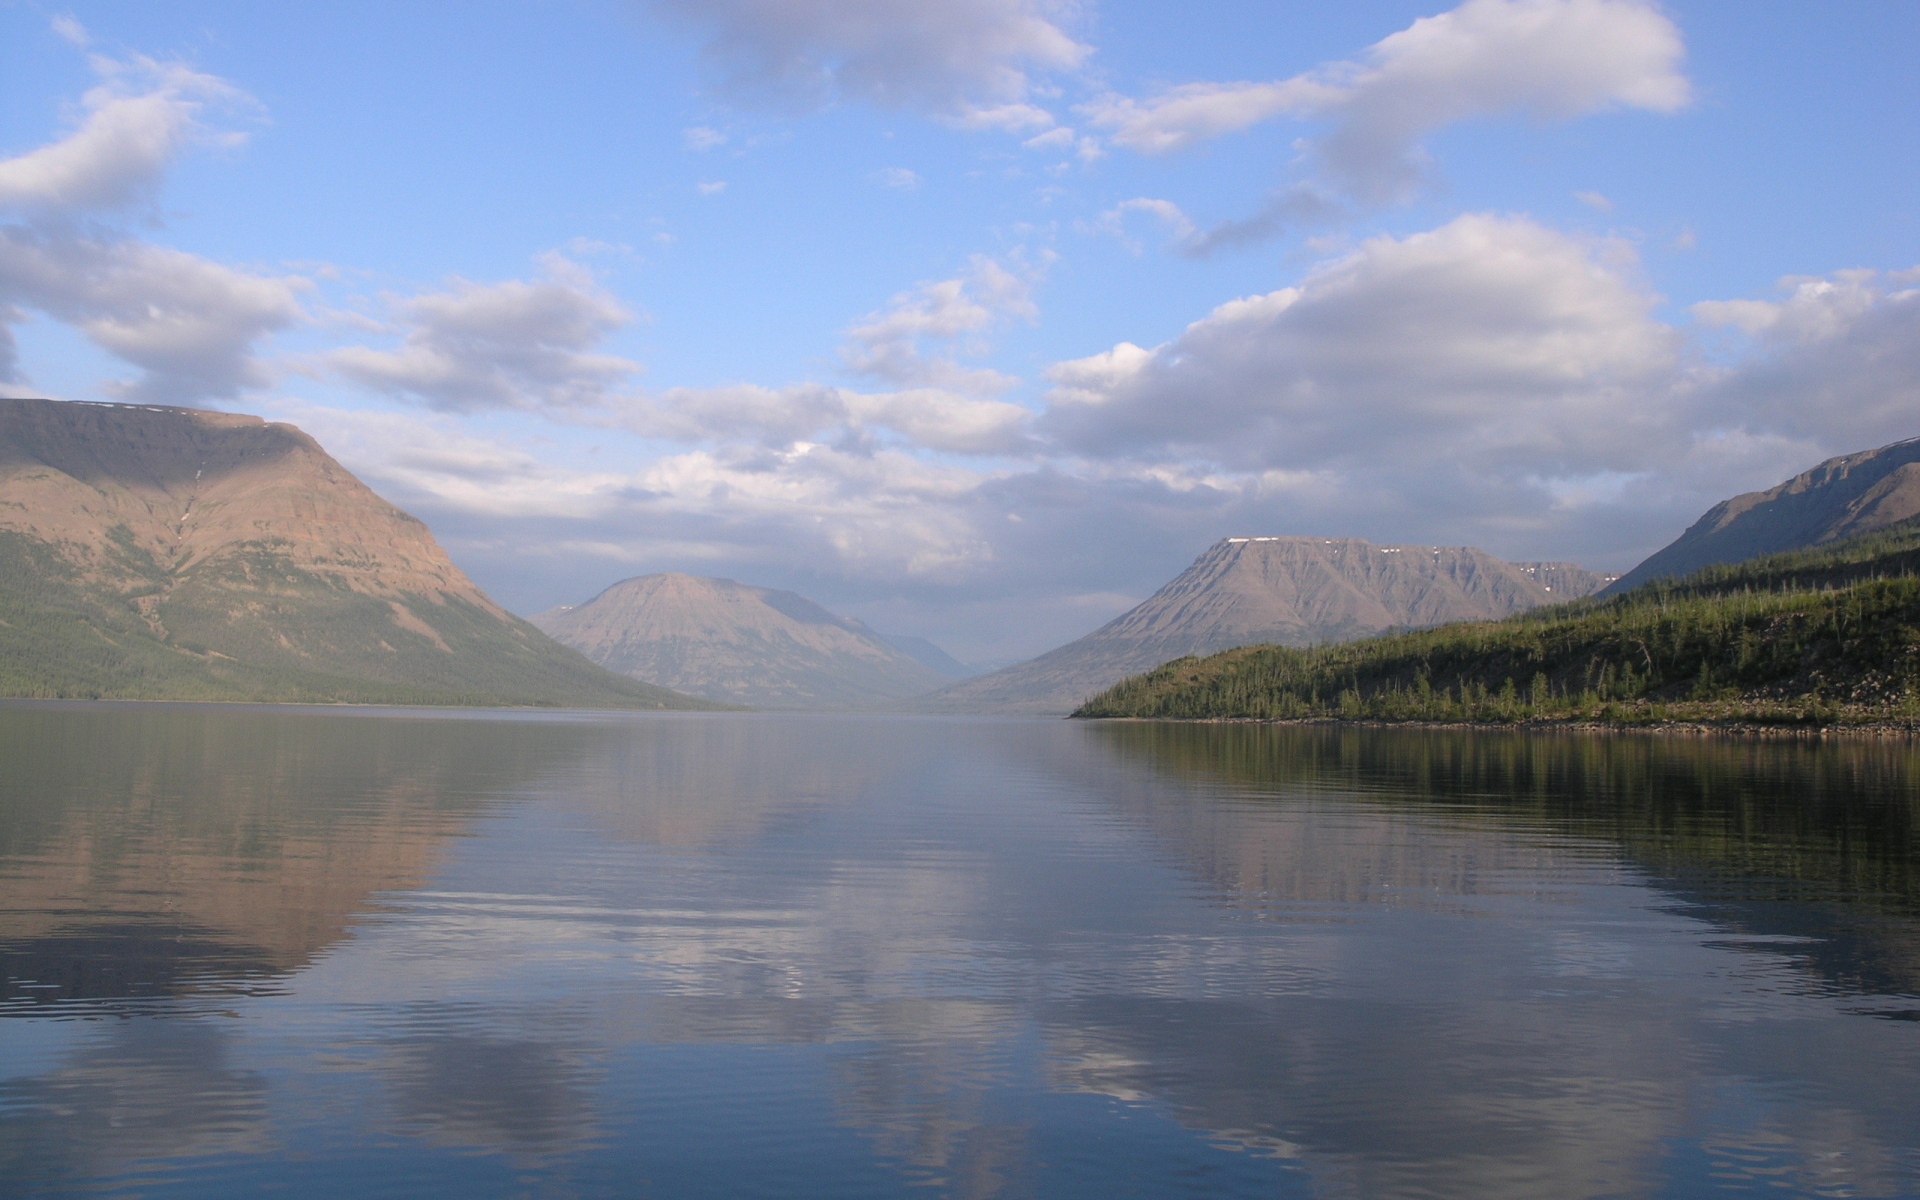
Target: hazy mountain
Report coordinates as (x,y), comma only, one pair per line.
(1296,591)
(744,645)
(1852,494)
(172,553)
(932,657)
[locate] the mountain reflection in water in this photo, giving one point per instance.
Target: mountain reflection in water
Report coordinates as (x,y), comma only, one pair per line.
(432,953)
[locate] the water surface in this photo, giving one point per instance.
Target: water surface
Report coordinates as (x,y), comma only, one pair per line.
(326,952)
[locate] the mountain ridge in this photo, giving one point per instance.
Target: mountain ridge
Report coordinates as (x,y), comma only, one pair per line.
(740,644)
(1287,590)
(155,552)
(1840,498)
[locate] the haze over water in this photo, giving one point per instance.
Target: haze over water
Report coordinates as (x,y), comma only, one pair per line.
(391,952)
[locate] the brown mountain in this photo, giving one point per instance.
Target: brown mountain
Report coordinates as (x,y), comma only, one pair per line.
(743,645)
(1296,591)
(1852,494)
(170,553)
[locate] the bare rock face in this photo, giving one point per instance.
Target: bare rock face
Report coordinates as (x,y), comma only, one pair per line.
(731,642)
(174,553)
(1840,498)
(1294,591)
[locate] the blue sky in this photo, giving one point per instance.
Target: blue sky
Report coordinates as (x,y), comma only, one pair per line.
(979,319)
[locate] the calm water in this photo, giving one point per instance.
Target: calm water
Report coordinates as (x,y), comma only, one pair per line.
(326,953)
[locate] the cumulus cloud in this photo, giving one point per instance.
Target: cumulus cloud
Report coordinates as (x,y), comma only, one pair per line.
(191,325)
(883,514)
(891,344)
(1836,360)
(525,344)
(774,418)
(1490,342)
(1547,59)
(965,58)
(139,118)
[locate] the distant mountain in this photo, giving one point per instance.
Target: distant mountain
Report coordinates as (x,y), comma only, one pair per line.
(1840,498)
(1296,591)
(169,553)
(1808,638)
(932,657)
(740,644)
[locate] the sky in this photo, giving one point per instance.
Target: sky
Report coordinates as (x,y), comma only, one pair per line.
(981,319)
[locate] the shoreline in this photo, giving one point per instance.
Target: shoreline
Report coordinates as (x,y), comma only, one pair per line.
(1744,730)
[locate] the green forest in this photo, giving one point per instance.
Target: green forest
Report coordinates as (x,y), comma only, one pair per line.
(1815,637)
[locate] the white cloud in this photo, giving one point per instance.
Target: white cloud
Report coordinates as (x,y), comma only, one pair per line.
(869,514)
(1835,362)
(1003,118)
(1194,112)
(139,118)
(774,418)
(72,31)
(889,344)
(702,137)
(1595,201)
(711,187)
(438,459)
(952,57)
(1491,343)
(1060,138)
(1548,59)
(1169,215)
(526,344)
(191,325)
(898,178)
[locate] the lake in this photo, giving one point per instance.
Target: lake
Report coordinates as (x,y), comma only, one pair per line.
(325,952)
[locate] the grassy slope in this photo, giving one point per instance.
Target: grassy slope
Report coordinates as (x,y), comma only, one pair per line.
(61,637)
(1817,636)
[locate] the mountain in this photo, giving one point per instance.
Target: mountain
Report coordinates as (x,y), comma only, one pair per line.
(740,644)
(170,553)
(1841,498)
(1828,635)
(1296,591)
(930,656)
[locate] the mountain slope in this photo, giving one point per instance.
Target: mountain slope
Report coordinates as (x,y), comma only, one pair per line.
(170,553)
(1294,591)
(930,656)
(740,644)
(1812,636)
(1841,498)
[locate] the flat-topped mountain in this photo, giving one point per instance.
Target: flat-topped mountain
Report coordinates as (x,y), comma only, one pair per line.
(744,645)
(171,553)
(1841,498)
(1295,591)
